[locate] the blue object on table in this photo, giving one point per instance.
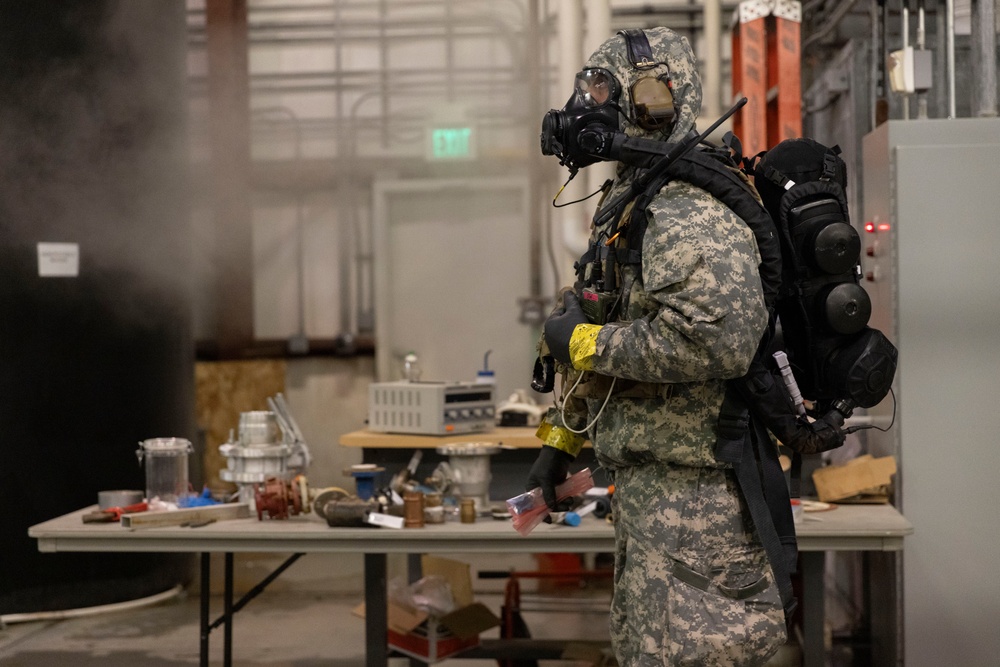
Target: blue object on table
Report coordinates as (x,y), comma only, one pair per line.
(364,481)
(202,500)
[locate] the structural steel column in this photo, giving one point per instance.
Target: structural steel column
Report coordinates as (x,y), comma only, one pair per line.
(767,70)
(749,76)
(229,122)
(784,68)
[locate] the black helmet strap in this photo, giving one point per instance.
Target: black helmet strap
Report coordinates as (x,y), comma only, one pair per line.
(639,51)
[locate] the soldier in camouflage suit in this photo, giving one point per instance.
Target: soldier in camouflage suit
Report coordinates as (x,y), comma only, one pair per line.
(693,585)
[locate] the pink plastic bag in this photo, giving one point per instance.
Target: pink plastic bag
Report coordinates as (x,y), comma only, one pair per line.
(529,509)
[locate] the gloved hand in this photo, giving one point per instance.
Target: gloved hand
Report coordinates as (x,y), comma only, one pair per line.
(817,436)
(550,469)
(558,329)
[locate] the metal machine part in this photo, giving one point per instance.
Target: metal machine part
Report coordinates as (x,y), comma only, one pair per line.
(430,408)
(270,444)
(118,498)
(466,473)
(366,477)
(279,498)
(343,511)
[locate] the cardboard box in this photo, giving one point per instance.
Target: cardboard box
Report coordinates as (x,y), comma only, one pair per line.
(430,638)
(861,480)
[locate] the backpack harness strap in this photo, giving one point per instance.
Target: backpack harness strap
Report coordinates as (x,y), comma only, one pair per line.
(705,169)
(747,446)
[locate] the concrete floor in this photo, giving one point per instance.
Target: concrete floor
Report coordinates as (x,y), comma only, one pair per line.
(304,620)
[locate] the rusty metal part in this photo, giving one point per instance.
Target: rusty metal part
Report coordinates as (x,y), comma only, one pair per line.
(280,499)
(348,511)
(413,509)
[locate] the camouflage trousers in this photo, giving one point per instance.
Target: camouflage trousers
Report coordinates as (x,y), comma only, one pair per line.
(693,585)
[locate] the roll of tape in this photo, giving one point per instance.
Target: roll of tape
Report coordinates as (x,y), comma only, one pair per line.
(109,499)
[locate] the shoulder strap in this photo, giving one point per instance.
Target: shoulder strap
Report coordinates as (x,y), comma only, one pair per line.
(745,444)
(708,172)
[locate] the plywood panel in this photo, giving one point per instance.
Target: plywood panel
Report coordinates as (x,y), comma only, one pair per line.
(223,390)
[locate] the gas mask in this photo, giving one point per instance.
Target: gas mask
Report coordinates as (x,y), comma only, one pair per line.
(589,127)
(580,133)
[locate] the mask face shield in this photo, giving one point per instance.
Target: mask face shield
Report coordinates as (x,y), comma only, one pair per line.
(593,89)
(577,133)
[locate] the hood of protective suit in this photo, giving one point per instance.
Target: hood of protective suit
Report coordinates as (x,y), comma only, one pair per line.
(679,64)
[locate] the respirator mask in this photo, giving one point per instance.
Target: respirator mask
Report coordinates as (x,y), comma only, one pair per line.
(588,128)
(580,133)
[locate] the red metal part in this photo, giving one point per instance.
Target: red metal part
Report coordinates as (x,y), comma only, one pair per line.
(766,68)
(278,498)
(749,69)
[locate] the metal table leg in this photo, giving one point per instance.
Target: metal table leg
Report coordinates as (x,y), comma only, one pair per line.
(813,619)
(376,616)
(414,570)
(205,586)
(227,630)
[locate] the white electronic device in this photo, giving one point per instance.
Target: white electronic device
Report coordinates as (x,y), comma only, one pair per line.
(430,408)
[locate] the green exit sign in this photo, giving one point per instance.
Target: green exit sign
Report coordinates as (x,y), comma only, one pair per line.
(450,143)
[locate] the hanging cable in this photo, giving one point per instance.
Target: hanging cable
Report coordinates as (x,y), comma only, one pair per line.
(562,408)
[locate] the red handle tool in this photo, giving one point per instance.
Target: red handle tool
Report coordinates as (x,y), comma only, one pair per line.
(113,513)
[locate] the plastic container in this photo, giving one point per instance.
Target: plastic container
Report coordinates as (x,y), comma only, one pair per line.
(797,510)
(485,375)
(411,367)
(529,509)
(166,461)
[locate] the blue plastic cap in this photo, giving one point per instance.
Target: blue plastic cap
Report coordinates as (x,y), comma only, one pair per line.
(571,519)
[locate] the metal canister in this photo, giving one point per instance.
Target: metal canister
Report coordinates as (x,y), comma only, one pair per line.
(467,510)
(433,509)
(413,509)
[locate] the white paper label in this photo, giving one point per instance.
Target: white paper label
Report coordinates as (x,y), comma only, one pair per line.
(387,520)
(58,260)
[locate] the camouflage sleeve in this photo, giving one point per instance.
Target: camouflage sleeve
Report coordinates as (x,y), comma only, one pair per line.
(697,312)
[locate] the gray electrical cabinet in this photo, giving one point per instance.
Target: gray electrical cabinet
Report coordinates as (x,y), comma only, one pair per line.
(932,266)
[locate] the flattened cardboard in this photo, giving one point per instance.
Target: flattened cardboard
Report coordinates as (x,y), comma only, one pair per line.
(470,620)
(864,476)
(456,573)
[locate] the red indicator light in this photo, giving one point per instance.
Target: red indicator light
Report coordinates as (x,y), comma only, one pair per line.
(883,227)
(869,226)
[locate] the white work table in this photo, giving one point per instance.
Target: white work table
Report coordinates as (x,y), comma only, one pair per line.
(846,528)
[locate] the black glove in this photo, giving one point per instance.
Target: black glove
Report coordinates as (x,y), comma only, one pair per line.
(550,469)
(769,402)
(558,329)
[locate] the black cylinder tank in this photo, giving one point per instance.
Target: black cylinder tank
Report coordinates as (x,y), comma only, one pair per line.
(94,153)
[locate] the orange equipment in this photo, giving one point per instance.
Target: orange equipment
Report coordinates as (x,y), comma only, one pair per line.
(766,69)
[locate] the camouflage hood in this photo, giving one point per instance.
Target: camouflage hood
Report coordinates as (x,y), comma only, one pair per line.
(679,64)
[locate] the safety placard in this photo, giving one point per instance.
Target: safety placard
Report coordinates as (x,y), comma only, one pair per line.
(58,260)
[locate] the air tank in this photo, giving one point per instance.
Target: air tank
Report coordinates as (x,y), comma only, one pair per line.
(96,350)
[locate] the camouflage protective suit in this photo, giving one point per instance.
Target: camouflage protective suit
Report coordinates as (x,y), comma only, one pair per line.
(692,582)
